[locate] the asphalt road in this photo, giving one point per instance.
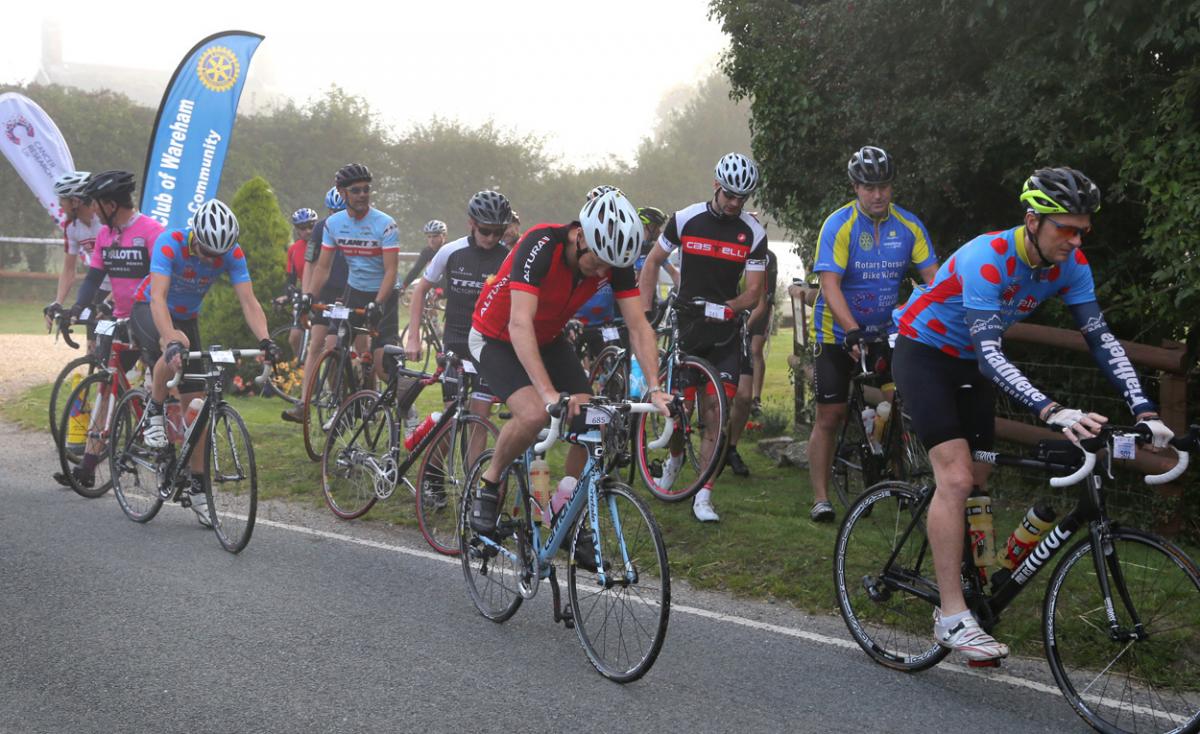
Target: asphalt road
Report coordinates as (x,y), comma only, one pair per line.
(324,626)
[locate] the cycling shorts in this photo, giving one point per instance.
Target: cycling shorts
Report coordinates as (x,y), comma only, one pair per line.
(121,334)
(477,386)
(389,325)
(329,294)
(145,335)
(723,345)
(101,296)
(944,397)
(499,365)
(833,367)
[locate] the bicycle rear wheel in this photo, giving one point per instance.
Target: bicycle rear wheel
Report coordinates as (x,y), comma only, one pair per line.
(285,381)
(71,375)
(1138,678)
(325,393)
(679,470)
(442,478)
(888,609)
(351,455)
(132,464)
(855,466)
(86,415)
(493,577)
(621,619)
(230,479)
(429,351)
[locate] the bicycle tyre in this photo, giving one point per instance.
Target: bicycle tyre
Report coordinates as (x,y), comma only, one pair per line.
(87,361)
(282,383)
(855,466)
(1148,684)
(322,399)
(894,627)
(132,464)
(442,477)
(347,481)
(606,377)
(86,393)
(689,430)
(230,479)
(908,457)
(638,606)
(492,577)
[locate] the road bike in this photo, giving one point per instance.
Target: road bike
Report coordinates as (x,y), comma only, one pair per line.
(338,373)
(78,368)
(431,342)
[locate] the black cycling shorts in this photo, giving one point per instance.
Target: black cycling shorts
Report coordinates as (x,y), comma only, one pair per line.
(944,397)
(329,294)
(499,365)
(121,333)
(389,325)
(477,386)
(145,335)
(724,345)
(833,367)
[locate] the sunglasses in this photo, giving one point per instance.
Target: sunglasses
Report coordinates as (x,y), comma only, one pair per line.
(734,197)
(1069,230)
(356,190)
(491,231)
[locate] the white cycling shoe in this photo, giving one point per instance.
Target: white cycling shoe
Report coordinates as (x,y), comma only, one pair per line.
(966,636)
(155,433)
(670,471)
(703,510)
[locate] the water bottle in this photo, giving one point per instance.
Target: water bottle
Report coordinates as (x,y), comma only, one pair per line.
(412,420)
(539,481)
(868,421)
(193,409)
(77,423)
(1027,534)
(173,420)
(883,411)
(562,495)
(982,532)
(637,380)
(414,438)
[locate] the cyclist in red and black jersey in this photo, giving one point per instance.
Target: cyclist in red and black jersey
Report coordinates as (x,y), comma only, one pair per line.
(719,243)
(517,330)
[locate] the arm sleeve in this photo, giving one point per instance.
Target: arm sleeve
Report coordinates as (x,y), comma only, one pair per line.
(756,259)
(535,254)
(986,331)
(669,239)
(313,250)
(91,284)
(418,268)
(1111,357)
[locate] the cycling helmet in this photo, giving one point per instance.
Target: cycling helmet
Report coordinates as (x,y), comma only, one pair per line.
(1060,191)
(737,174)
(351,173)
(870,165)
(303,216)
(215,227)
(612,229)
(434,226)
(600,190)
(71,184)
(110,186)
(334,201)
(489,207)
(652,216)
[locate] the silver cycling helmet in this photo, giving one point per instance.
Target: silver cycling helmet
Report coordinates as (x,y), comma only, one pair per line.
(71,184)
(737,174)
(215,227)
(612,229)
(434,226)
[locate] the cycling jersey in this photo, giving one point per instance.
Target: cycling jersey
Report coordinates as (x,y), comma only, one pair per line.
(539,266)
(990,273)
(423,257)
(716,250)
(872,258)
(79,239)
(124,254)
(335,284)
(461,267)
(191,275)
(363,242)
(600,308)
(295,261)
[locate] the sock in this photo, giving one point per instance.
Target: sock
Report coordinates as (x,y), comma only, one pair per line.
(154,407)
(88,465)
(953,619)
(705,494)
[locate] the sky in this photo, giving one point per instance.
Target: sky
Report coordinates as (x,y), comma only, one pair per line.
(586,76)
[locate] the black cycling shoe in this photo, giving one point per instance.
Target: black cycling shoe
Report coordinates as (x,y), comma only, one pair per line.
(87,481)
(485,501)
(735,463)
(585,551)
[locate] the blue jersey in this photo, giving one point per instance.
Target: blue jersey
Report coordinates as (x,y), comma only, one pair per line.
(872,258)
(191,275)
(989,273)
(598,309)
(363,242)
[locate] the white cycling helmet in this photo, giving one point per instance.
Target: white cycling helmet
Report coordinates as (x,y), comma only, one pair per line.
(612,228)
(600,190)
(215,227)
(71,183)
(435,226)
(737,174)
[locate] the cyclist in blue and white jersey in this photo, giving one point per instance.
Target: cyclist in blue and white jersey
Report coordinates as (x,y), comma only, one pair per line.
(864,251)
(370,241)
(950,336)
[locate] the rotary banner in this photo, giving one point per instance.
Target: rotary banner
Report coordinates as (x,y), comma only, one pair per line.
(191,134)
(33,144)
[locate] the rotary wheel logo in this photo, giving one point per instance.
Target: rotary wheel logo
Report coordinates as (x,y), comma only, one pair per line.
(866,241)
(218,69)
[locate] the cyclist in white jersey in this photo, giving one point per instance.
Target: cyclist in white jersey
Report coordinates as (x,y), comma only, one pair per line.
(79,236)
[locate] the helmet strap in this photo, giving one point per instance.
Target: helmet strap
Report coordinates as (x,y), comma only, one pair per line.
(1033,239)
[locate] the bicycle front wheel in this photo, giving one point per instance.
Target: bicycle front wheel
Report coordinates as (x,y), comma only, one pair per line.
(496,571)
(622,608)
(888,607)
(86,414)
(697,446)
(71,375)
(132,464)
(357,449)
(325,393)
(1141,673)
(442,478)
(286,381)
(231,479)
(609,375)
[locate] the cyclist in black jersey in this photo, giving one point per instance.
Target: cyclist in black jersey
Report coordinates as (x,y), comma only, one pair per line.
(719,242)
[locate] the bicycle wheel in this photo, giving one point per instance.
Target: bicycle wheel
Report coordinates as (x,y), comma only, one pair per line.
(621,619)
(325,393)
(86,414)
(677,471)
(1145,675)
(609,375)
(442,477)
(285,381)
(71,374)
(230,479)
(495,574)
(429,351)
(855,466)
(353,459)
(132,464)
(908,460)
(889,610)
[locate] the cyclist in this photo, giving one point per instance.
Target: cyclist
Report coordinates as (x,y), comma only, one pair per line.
(950,336)
(719,242)
(759,327)
(512,232)
(79,236)
(183,266)
(517,329)
(303,222)
(122,256)
(864,250)
(435,236)
(369,239)
(319,338)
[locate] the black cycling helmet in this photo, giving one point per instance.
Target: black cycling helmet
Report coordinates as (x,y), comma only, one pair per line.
(489,207)
(111,186)
(870,165)
(351,173)
(1060,191)
(652,216)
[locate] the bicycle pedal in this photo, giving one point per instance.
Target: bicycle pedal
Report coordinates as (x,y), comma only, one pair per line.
(984,663)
